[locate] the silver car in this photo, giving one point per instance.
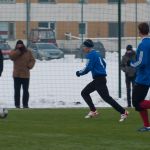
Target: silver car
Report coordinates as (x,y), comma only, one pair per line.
(46,51)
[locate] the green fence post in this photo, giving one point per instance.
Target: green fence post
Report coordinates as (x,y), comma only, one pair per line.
(119,47)
(27,20)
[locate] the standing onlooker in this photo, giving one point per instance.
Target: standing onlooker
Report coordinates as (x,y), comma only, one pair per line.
(142,81)
(129,71)
(97,66)
(1,62)
(23,62)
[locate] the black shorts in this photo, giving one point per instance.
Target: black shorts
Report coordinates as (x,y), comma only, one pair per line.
(139,93)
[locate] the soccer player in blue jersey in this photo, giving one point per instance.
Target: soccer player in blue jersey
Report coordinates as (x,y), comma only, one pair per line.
(97,66)
(142,81)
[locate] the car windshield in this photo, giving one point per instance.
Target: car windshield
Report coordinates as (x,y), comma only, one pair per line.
(46,34)
(46,46)
(4,47)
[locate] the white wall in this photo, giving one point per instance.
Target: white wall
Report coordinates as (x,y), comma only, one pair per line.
(72,12)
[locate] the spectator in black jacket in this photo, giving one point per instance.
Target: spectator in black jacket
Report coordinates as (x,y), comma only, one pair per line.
(129,71)
(1,62)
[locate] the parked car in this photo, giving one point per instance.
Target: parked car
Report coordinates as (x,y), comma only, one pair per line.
(5,48)
(97,46)
(46,51)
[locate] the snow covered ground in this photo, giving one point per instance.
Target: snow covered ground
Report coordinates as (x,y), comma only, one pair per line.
(54,83)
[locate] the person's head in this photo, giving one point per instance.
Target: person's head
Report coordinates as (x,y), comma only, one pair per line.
(143,29)
(87,45)
(20,45)
(129,47)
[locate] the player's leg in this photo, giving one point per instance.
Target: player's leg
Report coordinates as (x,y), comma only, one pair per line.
(85,93)
(102,89)
(139,94)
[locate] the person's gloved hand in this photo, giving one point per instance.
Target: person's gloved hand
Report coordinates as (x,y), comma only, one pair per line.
(78,74)
(128,63)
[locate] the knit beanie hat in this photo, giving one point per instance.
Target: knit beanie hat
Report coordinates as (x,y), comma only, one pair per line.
(88,43)
(19,42)
(129,47)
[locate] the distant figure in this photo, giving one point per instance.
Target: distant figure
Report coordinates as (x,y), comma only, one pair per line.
(129,71)
(142,81)
(23,62)
(1,62)
(97,66)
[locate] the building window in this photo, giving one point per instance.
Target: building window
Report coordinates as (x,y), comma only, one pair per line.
(82,28)
(7,30)
(52,25)
(47,25)
(43,25)
(47,1)
(7,1)
(115,1)
(113,29)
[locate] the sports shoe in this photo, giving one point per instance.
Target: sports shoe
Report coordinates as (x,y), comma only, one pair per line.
(143,129)
(91,114)
(124,116)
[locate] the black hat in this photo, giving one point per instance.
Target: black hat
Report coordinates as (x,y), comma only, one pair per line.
(19,42)
(88,43)
(129,47)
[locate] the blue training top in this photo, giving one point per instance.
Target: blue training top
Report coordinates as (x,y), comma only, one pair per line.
(142,63)
(95,64)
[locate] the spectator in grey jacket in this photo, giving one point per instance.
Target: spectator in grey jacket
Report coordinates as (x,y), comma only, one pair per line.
(129,71)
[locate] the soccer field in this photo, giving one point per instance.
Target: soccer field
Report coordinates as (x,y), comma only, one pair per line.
(66,129)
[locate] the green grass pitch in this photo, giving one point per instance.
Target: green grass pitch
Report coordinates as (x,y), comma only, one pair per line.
(66,129)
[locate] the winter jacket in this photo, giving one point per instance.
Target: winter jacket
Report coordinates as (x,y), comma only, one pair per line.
(142,63)
(126,59)
(95,64)
(1,62)
(22,63)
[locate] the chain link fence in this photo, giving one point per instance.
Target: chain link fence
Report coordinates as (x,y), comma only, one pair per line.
(66,24)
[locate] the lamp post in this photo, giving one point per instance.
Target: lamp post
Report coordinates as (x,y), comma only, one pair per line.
(82,28)
(119,48)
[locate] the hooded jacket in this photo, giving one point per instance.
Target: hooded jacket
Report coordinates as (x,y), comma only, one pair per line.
(22,63)
(129,56)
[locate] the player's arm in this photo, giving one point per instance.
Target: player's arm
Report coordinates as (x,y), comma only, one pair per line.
(87,68)
(102,62)
(139,62)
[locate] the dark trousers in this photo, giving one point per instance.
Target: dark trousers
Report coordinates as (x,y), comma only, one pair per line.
(129,85)
(139,93)
(24,82)
(99,85)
